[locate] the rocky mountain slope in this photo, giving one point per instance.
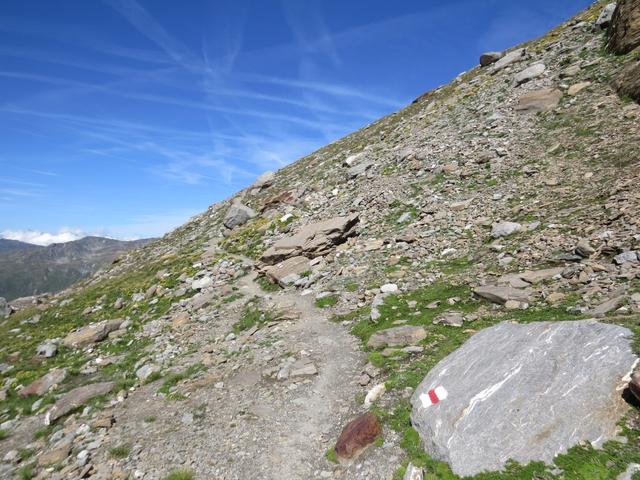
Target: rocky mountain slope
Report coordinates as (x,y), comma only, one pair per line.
(452,291)
(27,269)
(8,245)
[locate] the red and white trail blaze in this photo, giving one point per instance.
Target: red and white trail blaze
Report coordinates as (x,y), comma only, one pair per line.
(433,396)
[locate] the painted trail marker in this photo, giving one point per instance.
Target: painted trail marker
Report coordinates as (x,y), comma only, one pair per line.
(433,396)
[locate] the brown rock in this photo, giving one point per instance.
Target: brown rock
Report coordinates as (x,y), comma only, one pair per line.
(56,455)
(624,32)
(397,336)
(106,420)
(627,82)
(539,100)
(76,398)
(180,320)
(358,435)
(44,383)
(288,271)
(91,333)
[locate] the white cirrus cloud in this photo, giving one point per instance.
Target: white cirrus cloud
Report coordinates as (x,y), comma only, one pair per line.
(43,238)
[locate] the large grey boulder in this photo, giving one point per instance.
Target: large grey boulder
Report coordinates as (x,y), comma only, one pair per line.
(526,392)
(237,215)
(313,240)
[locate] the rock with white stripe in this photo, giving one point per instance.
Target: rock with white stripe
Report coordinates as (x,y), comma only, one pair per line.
(525,392)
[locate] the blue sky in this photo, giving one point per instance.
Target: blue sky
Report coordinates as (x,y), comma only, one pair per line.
(126,117)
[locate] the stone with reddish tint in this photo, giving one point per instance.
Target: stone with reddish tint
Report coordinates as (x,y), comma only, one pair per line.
(43,384)
(358,435)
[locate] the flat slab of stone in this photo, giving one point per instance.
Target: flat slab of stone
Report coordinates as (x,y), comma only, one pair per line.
(502,294)
(526,392)
(44,383)
(539,100)
(91,333)
(288,271)
(508,59)
(530,73)
(313,240)
(76,398)
(397,337)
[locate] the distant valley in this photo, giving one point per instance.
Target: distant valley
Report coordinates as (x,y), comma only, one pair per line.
(27,269)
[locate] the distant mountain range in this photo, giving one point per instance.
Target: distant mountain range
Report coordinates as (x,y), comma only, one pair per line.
(27,269)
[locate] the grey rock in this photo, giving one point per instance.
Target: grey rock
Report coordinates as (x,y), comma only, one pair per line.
(5,308)
(303,368)
(91,333)
(237,215)
(201,283)
(397,336)
(630,257)
(118,304)
(503,229)
(265,180)
(76,398)
(359,169)
(629,472)
(509,58)
(144,372)
(530,73)
(288,271)
(47,349)
(604,19)
(412,473)
(608,306)
(488,58)
(502,294)
(453,319)
(584,248)
(525,392)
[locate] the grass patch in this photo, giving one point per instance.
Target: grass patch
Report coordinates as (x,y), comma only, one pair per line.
(266,285)
(251,316)
(120,452)
(173,379)
(25,473)
(3,434)
(332,456)
(351,287)
(181,474)
(328,301)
